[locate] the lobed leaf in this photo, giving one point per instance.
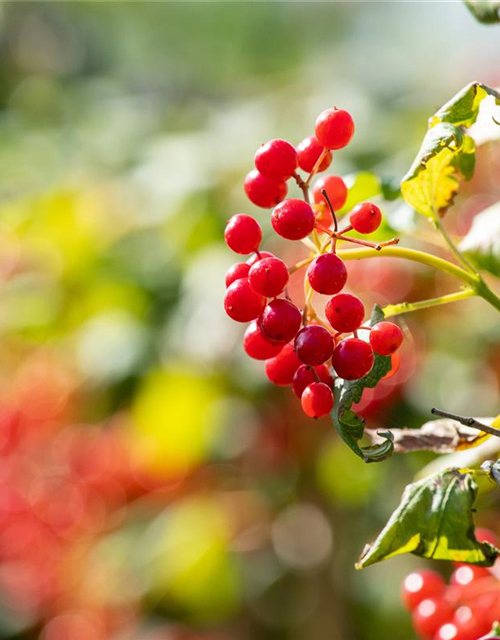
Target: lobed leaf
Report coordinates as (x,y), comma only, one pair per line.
(351,427)
(433,520)
(485,11)
(482,244)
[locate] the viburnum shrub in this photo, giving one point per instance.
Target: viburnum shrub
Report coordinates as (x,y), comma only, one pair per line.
(329,358)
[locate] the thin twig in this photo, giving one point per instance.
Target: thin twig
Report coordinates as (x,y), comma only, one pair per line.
(468,422)
(325,196)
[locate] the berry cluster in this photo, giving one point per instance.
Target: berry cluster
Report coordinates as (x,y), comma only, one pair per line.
(464,609)
(297,345)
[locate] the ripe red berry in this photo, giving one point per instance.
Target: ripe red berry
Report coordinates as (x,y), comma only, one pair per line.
(305,375)
(280,320)
(421,585)
(335,188)
(314,345)
(365,217)
(466,573)
(243,234)
(352,359)
(281,369)
(269,276)
(256,344)
(242,303)
(308,153)
(345,312)
(264,192)
(327,274)
(293,219)
(317,400)
(277,159)
(386,338)
(259,256)
(334,128)
(237,271)
(471,624)
(430,615)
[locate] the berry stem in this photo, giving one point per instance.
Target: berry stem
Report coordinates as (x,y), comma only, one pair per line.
(461,259)
(406,307)
(325,196)
(316,167)
(301,264)
(302,185)
(378,246)
(467,422)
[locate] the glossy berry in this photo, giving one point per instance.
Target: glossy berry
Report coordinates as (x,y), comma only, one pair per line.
(257,346)
(335,188)
(281,369)
(305,375)
(466,573)
(259,256)
(430,615)
(280,320)
(314,345)
(327,274)
(243,234)
(293,219)
(334,128)
(277,159)
(345,312)
(237,271)
(421,585)
(264,192)
(269,276)
(317,400)
(308,153)
(470,623)
(242,303)
(386,338)
(352,359)
(365,217)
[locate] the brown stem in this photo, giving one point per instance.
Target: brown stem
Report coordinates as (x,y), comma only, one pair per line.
(316,167)
(302,185)
(468,422)
(327,199)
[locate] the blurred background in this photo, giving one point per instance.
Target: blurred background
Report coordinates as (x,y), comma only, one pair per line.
(153,486)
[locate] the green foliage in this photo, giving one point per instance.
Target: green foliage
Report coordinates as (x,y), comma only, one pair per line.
(462,110)
(485,11)
(434,520)
(347,392)
(482,243)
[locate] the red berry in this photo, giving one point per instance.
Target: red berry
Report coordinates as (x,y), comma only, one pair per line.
(264,192)
(327,274)
(430,615)
(256,344)
(334,128)
(305,375)
(280,320)
(335,188)
(470,624)
(277,159)
(365,218)
(281,369)
(243,234)
(352,359)
(293,219)
(317,400)
(345,312)
(386,338)
(242,303)
(314,345)
(269,276)
(466,573)
(237,271)
(421,585)
(259,256)
(308,153)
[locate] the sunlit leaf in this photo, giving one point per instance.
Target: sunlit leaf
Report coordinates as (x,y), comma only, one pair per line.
(347,392)
(433,520)
(463,108)
(482,244)
(485,11)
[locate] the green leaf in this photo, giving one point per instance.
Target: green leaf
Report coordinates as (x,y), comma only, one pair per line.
(351,427)
(431,184)
(482,244)
(463,109)
(485,11)
(433,520)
